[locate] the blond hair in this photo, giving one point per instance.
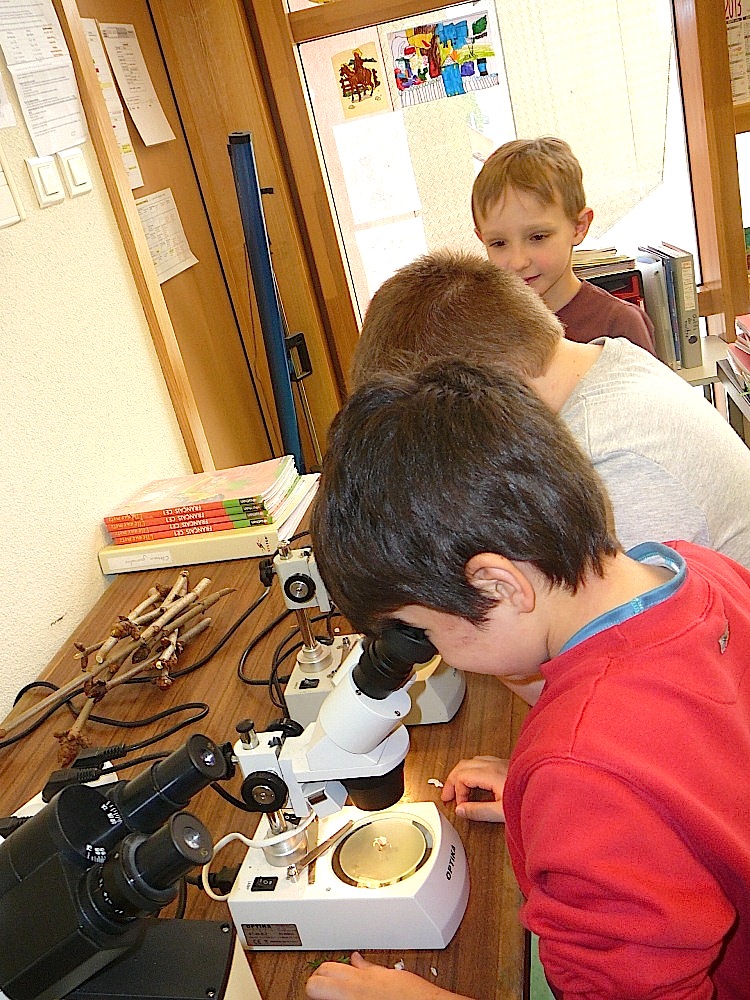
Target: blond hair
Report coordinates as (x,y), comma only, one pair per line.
(448,305)
(545,168)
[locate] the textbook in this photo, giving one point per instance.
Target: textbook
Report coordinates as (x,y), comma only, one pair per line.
(682,296)
(212,546)
(151,532)
(261,486)
(739,361)
(183,524)
(595,263)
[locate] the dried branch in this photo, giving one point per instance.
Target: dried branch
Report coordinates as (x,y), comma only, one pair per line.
(164,609)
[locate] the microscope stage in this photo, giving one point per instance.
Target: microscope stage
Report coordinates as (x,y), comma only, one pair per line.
(397,879)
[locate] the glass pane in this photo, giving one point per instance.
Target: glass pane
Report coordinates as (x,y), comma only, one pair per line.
(743,165)
(406,112)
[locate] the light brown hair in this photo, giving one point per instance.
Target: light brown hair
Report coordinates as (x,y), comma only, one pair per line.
(448,305)
(545,168)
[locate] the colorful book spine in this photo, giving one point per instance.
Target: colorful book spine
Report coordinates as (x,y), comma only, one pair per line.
(150,532)
(218,508)
(157,522)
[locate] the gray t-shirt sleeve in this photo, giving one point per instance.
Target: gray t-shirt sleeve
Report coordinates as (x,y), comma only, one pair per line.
(672,465)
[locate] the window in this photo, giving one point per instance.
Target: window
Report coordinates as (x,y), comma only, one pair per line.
(401,143)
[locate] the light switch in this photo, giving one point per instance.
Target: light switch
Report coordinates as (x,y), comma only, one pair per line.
(46,180)
(74,170)
(11,209)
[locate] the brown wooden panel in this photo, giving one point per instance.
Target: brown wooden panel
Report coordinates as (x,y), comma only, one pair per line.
(197,299)
(709,122)
(214,73)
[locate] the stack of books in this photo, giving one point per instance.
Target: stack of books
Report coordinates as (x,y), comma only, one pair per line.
(594,263)
(209,516)
(738,354)
(671,299)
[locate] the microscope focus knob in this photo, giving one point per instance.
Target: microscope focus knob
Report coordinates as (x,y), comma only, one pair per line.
(264,791)
(299,588)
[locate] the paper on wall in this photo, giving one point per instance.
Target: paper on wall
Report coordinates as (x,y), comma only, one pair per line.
(42,70)
(112,100)
(137,89)
(164,234)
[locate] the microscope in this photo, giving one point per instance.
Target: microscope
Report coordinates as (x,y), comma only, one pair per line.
(371,875)
(436,690)
(82,879)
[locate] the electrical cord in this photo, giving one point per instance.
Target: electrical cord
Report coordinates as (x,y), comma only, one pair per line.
(248,842)
(254,642)
(40,720)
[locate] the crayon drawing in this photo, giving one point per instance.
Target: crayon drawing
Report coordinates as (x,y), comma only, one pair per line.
(360,79)
(442,59)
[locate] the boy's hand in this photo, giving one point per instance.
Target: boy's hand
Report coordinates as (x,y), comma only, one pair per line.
(485,773)
(362,980)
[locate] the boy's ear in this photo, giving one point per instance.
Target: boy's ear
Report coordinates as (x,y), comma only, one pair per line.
(585,218)
(478,234)
(501,580)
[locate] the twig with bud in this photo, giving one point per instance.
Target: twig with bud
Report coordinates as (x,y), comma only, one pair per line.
(152,636)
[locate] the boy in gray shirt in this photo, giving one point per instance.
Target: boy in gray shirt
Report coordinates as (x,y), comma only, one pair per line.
(672,466)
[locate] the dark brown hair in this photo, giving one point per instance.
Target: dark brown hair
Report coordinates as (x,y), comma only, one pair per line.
(424,471)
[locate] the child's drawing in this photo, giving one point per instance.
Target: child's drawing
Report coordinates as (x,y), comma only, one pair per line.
(443,59)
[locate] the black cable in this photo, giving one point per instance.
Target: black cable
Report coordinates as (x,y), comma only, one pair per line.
(254,642)
(212,652)
(133,680)
(181,899)
(228,797)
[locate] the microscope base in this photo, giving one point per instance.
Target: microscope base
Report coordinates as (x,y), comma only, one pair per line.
(397,879)
(179,960)
(436,693)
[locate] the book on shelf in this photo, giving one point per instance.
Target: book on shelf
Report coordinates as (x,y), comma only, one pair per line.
(262,486)
(682,297)
(742,328)
(656,304)
(738,357)
(615,266)
(594,255)
(213,546)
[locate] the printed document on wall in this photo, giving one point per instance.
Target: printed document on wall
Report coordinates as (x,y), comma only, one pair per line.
(7,114)
(165,236)
(137,89)
(42,70)
(112,100)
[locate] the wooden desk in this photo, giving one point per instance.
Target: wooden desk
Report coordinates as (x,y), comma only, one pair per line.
(485,958)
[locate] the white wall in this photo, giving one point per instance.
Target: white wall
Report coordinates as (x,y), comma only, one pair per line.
(85,417)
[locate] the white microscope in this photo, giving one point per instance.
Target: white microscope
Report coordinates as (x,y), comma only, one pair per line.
(328,876)
(436,690)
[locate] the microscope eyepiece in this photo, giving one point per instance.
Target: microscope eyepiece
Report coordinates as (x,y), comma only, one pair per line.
(387,661)
(148,800)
